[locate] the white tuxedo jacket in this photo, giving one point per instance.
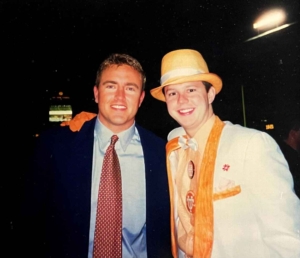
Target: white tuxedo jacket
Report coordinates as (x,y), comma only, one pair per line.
(263,219)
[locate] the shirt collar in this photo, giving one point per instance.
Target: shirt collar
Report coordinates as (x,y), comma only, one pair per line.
(104,135)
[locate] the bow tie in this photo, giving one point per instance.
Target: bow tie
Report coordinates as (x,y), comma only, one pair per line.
(185,143)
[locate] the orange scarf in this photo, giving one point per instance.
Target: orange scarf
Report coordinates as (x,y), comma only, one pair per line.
(204,228)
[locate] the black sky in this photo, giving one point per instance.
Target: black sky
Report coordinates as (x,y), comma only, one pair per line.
(57,45)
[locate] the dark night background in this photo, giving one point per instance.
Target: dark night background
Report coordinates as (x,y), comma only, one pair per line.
(55,45)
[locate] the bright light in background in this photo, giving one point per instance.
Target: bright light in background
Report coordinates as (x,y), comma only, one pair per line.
(270,19)
(271,31)
(269,22)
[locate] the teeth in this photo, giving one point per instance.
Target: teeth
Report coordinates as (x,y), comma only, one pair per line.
(185,110)
(118,106)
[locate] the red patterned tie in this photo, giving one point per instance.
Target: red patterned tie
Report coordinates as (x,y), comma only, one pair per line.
(108,231)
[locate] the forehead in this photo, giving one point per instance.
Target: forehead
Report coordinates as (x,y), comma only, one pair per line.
(184,85)
(118,72)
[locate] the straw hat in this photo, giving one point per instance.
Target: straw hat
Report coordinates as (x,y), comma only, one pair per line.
(184,65)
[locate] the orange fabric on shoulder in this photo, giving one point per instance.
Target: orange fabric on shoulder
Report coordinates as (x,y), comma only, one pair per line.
(77,122)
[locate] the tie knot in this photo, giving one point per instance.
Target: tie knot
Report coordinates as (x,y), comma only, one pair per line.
(186,143)
(114,139)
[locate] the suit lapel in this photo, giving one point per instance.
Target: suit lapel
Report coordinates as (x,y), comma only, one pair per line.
(81,160)
(80,178)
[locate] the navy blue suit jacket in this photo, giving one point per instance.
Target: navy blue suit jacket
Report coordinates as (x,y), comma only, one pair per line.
(56,209)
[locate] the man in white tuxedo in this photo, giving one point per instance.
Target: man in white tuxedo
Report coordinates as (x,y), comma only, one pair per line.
(230,187)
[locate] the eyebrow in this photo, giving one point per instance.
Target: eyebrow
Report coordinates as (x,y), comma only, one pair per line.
(169,89)
(127,84)
(132,84)
(107,82)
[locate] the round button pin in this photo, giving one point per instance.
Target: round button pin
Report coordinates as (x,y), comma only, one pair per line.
(191,169)
(190,201)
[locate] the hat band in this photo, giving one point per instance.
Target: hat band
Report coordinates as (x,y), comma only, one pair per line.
(179,72)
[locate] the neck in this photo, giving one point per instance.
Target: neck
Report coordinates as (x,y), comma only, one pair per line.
(193,130)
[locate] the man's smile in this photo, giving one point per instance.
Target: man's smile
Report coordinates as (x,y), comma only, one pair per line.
(120,107)
(186,111)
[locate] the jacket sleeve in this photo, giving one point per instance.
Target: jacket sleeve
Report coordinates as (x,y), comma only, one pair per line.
(31,224)
(277,208)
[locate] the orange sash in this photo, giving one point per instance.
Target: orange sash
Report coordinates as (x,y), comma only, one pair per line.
(204,228)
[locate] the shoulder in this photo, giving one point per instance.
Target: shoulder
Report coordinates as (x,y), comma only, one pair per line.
(239,140)
(236,131)
(153,146)
(63,134)
(178,131)
(236,128)
(149,136)
(55,134)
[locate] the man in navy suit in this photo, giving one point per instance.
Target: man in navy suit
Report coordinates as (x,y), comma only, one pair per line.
(60,203)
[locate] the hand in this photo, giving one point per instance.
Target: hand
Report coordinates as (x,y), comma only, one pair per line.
(77,122)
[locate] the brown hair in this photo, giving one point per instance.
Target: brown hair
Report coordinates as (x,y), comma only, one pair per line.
(121,59)
(207,85)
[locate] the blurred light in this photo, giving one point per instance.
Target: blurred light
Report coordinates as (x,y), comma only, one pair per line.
(270,31)
(270,19)
(269,127)
(60,93)
(60,113)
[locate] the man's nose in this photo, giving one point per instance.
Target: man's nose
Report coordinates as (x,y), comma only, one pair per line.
(120,93)
(182,98)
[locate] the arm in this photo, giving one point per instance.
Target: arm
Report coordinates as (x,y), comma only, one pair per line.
(34,202)
(77,122)
(276,207)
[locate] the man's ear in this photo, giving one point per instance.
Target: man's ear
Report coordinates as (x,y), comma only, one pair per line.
(96,92)
(211,94)
(142,98)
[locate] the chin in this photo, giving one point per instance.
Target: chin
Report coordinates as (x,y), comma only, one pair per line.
(185,123)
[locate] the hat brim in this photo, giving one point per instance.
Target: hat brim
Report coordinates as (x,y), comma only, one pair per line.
(212,78)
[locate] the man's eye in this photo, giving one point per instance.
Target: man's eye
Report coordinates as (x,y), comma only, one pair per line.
(131,88)
(191,90)
(110,86)
(171,94)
